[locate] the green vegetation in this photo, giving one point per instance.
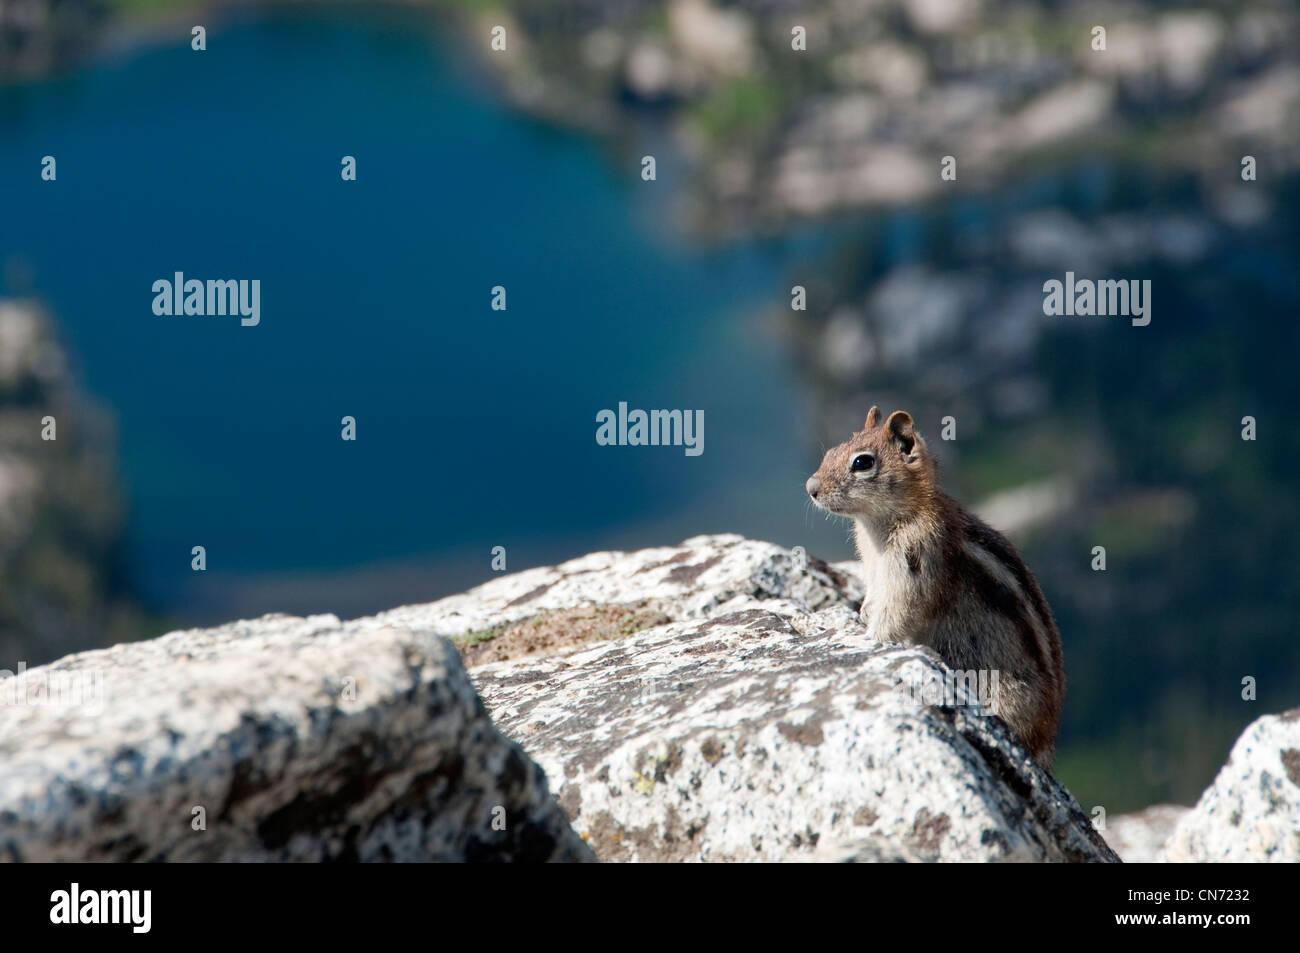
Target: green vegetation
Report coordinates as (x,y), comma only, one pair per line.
(740,111)
(478,636)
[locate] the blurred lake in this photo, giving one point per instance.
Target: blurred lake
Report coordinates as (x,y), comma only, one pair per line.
(476,427)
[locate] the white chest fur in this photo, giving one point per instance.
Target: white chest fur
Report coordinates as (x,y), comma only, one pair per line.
(892,588)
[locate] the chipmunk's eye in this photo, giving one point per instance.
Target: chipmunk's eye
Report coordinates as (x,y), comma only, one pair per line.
(863,461)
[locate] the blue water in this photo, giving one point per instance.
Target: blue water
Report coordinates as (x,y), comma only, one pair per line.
(475,427)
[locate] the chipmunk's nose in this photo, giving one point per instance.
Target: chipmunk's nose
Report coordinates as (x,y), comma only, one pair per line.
(812,486)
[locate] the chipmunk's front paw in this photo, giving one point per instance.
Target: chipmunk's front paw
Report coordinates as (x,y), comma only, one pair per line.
(863,614)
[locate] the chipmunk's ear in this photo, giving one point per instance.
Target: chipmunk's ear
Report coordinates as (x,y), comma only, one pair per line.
(900,430)
(873,418)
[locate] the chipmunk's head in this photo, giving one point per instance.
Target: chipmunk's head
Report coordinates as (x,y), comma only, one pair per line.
(883,471)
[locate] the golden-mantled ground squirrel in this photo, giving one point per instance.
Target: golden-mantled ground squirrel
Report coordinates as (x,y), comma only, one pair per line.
(938,576)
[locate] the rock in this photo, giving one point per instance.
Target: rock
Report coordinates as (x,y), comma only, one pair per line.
(37,35)
(1140,837)
(940,16)
(701,578)
(108,754)
(649,72)
(62,528)
(897,70)
(847,350)
(1256,109)
(1187,45)
(1065,112)
(870,850)
(1026,507)
(913,308)
(602,48)
(718,39)
(887,174)
(716,700)
(1127,54)
(27,355)
(1052,238)
(761,724)
(1252,810)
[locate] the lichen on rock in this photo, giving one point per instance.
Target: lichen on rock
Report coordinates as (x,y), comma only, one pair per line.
(733,709)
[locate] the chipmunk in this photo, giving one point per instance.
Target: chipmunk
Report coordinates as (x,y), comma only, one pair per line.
(936,575)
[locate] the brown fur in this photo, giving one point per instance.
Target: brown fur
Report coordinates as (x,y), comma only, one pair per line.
(937,575)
